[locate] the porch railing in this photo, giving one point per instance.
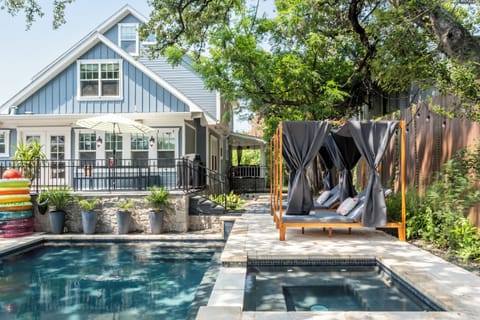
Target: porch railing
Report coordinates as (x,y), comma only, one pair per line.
(119,175)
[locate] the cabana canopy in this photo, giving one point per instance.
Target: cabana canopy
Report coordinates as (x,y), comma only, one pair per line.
(303,140)
(371,139)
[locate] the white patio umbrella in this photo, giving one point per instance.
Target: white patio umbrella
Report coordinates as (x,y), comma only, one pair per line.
(114,123)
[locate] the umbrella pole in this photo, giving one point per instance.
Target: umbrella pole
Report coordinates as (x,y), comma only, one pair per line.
(114,138)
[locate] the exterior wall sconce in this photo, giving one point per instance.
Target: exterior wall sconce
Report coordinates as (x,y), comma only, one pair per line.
(151,141)
(99,142)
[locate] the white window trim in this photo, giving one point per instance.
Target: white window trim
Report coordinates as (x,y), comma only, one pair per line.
(165,130)
(7,143)
(101,61)
(137,41)
(77,145)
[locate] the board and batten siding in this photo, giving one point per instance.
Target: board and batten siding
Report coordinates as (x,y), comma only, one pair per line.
(139,92)
(182,77)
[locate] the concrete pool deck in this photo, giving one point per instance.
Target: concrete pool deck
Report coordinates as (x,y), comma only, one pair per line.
(254,237)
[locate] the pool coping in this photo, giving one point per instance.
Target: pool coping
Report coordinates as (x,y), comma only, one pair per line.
(8,245)
(255,237)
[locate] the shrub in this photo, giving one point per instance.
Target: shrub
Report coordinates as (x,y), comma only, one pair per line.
(231,201)
(440,218)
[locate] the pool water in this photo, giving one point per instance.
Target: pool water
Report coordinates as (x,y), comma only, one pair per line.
(329,288)
(104,281)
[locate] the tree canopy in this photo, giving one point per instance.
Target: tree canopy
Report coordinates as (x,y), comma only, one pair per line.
(315,59)
(318,59)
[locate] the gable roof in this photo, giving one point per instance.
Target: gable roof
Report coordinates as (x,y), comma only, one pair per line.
(80,48)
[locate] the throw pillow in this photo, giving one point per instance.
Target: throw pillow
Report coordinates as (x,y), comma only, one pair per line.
(347,205)
(323,197)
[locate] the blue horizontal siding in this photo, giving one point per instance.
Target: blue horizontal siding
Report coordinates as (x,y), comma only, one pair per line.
(140,92)
(186,80)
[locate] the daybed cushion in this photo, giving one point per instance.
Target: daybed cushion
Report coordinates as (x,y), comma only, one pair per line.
(319,216)
(347,205)
(323,197)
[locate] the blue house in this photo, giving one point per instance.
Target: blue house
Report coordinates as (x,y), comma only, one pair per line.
(108,72)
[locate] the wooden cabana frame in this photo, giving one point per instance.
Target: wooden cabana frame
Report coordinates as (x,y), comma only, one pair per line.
(276,178)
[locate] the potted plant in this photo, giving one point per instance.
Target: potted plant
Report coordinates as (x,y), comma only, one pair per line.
(124,215)
(42,202)
(57,201)
(158,201)
(89,215)
(28,156)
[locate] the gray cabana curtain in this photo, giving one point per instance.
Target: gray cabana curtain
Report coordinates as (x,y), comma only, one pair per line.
(347,155)
(302,141)
(372,139)
(328,165)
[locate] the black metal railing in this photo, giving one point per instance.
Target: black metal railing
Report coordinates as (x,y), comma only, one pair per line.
(119,175)
(248,171)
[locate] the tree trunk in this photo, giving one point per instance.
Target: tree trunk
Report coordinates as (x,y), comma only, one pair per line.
(454,40)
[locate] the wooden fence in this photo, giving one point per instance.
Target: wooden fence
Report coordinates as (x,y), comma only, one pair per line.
(431,140)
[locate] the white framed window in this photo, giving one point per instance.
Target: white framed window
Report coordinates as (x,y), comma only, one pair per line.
(114,145)
(139,148)
(99,79)
(167,146)
(128,37)
(4,143)
(87,148)
(56,154)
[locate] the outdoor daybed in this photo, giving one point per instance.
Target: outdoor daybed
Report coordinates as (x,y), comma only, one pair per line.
(372,139)
(326,200)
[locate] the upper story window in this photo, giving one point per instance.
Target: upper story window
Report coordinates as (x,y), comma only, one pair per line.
(4,143)
(99,79)
(128,37)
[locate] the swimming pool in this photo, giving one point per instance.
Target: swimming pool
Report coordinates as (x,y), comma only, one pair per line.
(363,286)
(107,280)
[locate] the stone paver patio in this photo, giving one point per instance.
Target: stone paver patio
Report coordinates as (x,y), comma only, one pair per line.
(255,237)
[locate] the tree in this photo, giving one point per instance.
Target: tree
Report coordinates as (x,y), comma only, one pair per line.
(318,59)
(315,59)
(33,10)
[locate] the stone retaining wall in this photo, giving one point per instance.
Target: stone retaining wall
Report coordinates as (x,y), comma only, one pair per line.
(176,218)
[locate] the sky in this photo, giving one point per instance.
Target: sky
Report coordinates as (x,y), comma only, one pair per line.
(25,52)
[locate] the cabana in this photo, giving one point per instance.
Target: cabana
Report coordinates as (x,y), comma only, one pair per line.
(297,143)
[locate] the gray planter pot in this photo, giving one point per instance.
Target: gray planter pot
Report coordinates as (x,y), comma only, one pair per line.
(123,221)
(57,221)
(89,221)
(156,221)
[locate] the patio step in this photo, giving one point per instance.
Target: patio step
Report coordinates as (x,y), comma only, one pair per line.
(200,205)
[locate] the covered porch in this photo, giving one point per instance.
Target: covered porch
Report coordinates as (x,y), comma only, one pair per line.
(246,177)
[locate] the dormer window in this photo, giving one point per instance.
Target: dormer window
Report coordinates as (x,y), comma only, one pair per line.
(128,37)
